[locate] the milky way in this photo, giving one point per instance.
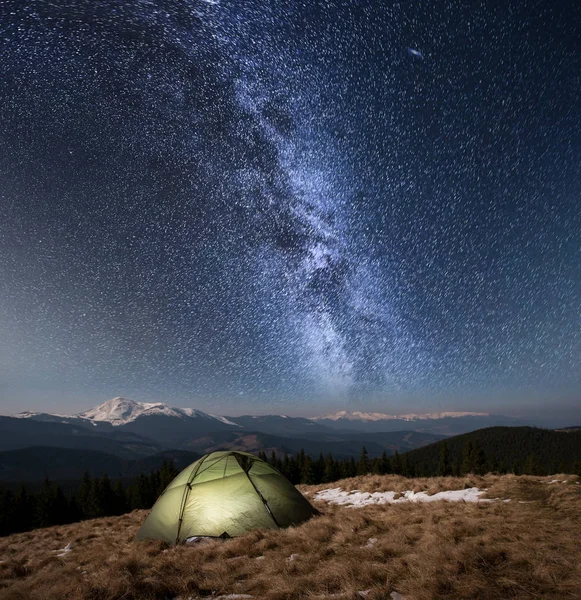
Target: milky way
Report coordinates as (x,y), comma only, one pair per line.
(255,203)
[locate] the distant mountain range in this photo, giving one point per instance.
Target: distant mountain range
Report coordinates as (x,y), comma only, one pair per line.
(22,433)
(443,423)
(122,431)
(121,412)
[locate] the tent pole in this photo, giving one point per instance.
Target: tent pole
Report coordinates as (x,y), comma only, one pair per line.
(263,500)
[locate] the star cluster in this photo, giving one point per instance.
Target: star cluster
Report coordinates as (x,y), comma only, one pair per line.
(314,203)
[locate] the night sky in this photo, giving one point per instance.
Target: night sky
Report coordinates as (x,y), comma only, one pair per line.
(290,206)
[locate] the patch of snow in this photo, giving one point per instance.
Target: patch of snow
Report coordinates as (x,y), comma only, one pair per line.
(260,558)
(28,414)
(64,550)
(225,420)
(370,543)
(553,481)
(364,593)
(357,498)
(292,558)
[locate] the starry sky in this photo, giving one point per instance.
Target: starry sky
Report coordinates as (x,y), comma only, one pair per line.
(257,206)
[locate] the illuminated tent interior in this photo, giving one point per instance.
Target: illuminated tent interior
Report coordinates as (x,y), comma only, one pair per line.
(225,494)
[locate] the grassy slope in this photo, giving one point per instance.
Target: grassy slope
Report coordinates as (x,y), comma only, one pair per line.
(528,548)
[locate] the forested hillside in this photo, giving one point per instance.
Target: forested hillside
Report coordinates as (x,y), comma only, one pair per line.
(94,497)
(519,450)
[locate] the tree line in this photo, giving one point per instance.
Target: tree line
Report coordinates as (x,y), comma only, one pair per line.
(518,450)
(94,497)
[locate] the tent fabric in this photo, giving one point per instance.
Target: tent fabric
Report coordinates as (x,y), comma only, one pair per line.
(225,494)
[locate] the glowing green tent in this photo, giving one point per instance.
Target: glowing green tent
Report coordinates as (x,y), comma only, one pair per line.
(225,494)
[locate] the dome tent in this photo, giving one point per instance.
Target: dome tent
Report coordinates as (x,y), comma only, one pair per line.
(225,494)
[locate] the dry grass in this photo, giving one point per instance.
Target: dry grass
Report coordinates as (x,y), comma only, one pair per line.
(528,548)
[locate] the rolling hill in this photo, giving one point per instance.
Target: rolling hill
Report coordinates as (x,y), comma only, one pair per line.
(36,463)
(18,433)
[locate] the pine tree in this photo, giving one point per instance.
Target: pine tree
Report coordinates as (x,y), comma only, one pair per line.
(384,464)
(330,470)
(363,464)
(168,473)
(7,525)
(530,467)
(301,460)
(120,503)
(75,511)
(139,493)
(84,496)
(352,468)
(51,505)
(294,475)
(104,497)
(23,510)
(285,467)
(405,467)
(410,467)
(456,468)
(320,467)
(468,459)
(396,464)
(307,471)
(444,463)
(479,461)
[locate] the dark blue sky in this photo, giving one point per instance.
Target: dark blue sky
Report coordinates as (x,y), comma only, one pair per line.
(275,206)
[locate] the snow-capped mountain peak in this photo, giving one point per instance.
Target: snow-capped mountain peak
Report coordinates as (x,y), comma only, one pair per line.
(120,411)
(117,411)
(366,416)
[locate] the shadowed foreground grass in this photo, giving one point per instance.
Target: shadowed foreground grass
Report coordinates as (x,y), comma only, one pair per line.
(528,548)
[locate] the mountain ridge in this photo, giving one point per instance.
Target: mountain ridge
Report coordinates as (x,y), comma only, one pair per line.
(368,416)
(121,411)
